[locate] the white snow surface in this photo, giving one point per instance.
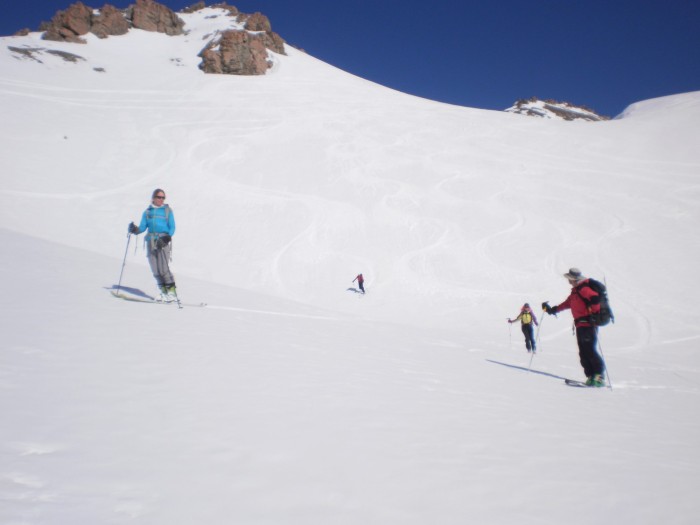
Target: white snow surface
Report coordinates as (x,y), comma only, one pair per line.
(290,398)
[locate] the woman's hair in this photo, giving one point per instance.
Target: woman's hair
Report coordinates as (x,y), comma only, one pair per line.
(156,192)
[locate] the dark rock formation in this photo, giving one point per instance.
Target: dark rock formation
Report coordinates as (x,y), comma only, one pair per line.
(78,20)
(69,25)
(552,109)
(233,52)
(194,7)
(259,22)
(33,53)
(152,16)
(236,53)
(110,21)
(232,11)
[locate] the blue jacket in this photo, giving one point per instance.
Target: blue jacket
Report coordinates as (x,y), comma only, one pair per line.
(158,221)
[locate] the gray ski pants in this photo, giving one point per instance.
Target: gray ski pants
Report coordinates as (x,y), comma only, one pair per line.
(159,260)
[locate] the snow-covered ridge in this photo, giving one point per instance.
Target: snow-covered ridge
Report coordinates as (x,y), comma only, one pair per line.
(551,109)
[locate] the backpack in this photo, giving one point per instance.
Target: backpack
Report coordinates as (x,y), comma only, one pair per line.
(166,207)
(605,314)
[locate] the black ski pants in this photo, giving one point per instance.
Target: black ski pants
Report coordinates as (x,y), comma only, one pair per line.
(587,339)
(529,333)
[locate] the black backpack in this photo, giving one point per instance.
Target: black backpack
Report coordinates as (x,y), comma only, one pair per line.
(605,315)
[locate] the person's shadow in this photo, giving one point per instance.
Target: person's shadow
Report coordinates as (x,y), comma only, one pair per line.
(527,369)
(133,291)
(351,289)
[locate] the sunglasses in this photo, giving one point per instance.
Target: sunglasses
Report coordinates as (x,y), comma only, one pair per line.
(159,197)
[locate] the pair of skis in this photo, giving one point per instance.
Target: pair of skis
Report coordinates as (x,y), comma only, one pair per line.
(579,384)
(147,300)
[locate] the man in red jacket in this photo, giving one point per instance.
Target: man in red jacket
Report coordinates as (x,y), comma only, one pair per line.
(583,301)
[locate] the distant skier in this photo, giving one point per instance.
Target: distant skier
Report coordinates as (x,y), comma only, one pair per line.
(527,318)
(583,301)
(361,282)
(159,220)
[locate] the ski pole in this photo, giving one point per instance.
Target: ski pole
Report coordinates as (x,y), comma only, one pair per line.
(532,356)
(537,340)
(605,366)
(128,240)
(537,337)
(510,334)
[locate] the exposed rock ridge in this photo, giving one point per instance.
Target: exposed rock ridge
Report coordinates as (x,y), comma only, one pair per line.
(78,20)
(553,109)
(242,52)
(235,51)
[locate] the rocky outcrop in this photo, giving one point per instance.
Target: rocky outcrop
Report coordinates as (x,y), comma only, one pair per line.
(69,25)
(109,21)
(260,23)
(152,16)
(36,53)
(242,52)
(551,109)
(78,20)
(236,53)
(194,7)
(232,11)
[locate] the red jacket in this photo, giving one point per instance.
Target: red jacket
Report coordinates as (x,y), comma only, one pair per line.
(583,301)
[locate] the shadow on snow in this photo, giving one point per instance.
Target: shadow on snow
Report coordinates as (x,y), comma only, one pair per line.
(132,291)
(527,369)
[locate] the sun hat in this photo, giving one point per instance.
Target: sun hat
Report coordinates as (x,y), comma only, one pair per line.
(574,274)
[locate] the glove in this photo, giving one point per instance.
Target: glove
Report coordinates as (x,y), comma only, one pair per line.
(163,241)
(551,310)
(134,229)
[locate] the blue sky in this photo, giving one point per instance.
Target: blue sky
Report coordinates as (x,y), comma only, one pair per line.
(484,54)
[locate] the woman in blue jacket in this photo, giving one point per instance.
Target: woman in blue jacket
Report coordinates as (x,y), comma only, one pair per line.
(159,220)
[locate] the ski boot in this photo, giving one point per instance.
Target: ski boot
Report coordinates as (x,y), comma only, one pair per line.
(171,293)
(165,296)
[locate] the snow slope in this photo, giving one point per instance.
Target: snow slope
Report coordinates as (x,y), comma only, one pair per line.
(290,398)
